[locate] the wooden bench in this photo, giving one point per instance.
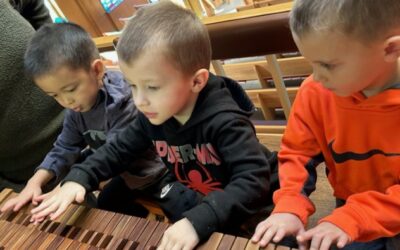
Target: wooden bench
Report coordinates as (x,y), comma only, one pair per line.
(268,99)
(258,70)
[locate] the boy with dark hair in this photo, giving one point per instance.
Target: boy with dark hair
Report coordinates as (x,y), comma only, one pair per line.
(64,63)
(346,115)
(198,123)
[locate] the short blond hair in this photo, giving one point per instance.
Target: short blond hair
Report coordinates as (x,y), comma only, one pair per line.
(363,19)
(177,31)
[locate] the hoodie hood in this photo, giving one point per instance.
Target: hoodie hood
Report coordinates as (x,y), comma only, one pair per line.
(118,91)
(385,101)
(221,94)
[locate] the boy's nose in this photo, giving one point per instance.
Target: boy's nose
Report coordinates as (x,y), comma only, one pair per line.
(140,100)
(68,100)
(318,77)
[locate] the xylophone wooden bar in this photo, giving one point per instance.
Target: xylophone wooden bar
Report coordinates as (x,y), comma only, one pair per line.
(88,228)
(21,237)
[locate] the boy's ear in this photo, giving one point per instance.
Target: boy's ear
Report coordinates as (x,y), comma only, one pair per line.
(200,80)
(99,69)
(392,48)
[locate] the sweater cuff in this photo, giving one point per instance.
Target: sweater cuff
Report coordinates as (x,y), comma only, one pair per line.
(299,206)
(48,164)
(203,219)
(81,178)
(345,219)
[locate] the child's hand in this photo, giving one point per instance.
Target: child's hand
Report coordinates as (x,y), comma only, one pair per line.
(277,226)
(323,235)
(57,201)
(29,193)
(181,235)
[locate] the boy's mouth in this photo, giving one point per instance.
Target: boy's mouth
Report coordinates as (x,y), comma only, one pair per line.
(77,109)
(150,115)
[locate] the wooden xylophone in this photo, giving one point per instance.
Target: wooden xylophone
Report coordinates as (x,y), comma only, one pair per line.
(81,227)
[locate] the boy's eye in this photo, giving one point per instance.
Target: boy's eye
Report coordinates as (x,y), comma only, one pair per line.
(153,87)
(326,66)
(71,90)
(132,86)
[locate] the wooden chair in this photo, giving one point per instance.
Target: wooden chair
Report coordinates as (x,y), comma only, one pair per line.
(256,32)
(258,69)
(271,141)
(268,99)
(270,129)
(155,212)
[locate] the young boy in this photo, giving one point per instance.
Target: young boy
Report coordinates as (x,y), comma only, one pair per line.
(198,123)
(64,63)
(346,115)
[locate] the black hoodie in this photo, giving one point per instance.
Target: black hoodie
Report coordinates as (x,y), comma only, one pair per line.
(215,153)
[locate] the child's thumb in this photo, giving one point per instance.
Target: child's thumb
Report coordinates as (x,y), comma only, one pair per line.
(80,197)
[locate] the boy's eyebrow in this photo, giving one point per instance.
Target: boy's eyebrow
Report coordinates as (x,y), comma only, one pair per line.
(63,88)
(145,81)
(69,85)
(324,62)
(148,80)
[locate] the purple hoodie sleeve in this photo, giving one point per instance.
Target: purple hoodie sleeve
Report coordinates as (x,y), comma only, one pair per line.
(66,149)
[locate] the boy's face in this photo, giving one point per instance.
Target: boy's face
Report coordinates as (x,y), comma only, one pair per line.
(344,65)
(160,91)
(72,89)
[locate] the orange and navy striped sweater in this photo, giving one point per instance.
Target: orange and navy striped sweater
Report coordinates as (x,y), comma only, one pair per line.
(359,140)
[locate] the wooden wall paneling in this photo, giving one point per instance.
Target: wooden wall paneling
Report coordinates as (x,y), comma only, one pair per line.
(124,10)
(95,11)
(91,15)
(74,13)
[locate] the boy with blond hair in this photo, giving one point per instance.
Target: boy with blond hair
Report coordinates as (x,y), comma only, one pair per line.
(198,123)
(346,115)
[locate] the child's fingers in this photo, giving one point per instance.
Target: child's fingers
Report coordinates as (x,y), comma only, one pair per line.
(80,197)
(41,198)
(61,209)
(280,233)
(36,194)
(44,208)
(170,245)
(343,240)
(175,246)
(36,220)
(315,243)
(260,230)
(267,237)
(39,208)
(163,243)
(305,236)
(9,205)
(325,243)
(46,212)
(37,198)
(21,202)
(303,246)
